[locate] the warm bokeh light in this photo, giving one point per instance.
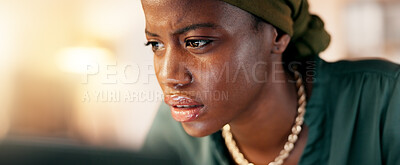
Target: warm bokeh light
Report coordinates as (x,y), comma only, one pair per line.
(368,40)
(80,59)
(6,66)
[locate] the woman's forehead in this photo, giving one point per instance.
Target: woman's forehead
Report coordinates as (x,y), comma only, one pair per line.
(174,14)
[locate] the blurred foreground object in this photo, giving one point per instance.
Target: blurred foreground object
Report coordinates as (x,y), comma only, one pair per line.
(51,152)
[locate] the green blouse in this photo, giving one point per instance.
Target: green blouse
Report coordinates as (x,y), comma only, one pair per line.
(353,117)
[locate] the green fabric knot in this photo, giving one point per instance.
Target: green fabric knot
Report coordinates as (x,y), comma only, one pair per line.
(309,36)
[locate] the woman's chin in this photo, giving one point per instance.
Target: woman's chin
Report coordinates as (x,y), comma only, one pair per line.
(197,129)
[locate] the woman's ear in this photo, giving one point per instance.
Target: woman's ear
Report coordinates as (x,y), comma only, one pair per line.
(280,43)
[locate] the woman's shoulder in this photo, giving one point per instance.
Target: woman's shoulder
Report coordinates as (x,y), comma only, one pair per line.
(361,66)
(360,82)
(356,82)
(355,109)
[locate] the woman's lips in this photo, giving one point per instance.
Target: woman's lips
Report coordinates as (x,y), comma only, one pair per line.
(183,108)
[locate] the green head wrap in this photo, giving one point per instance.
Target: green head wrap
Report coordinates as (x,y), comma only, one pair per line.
(292,17)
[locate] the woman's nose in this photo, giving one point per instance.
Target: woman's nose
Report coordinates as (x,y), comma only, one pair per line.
(178,80)
(174,72)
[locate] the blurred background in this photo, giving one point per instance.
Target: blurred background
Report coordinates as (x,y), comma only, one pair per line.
(77,71)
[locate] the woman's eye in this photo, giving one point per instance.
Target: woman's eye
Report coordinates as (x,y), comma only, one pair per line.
(155,45)
(196,44)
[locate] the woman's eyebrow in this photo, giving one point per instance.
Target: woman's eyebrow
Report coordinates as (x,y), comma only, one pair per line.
(151,34)
(194,27)
(187,28)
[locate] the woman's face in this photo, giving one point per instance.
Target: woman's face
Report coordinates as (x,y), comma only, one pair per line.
(210,60)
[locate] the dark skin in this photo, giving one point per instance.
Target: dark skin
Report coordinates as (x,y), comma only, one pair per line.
(211,46)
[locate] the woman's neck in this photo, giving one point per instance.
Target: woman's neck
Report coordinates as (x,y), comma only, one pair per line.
(262,130)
